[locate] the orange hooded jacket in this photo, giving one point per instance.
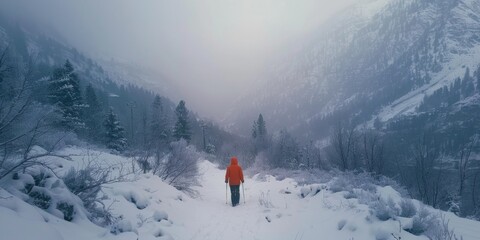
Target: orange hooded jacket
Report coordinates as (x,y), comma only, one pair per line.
(234,173)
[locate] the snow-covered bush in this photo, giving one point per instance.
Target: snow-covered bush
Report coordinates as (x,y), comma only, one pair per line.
(408,208)
(162,235)
(67,209)
(311,190)
(102,216)
(85,183)
(140,201)
(159,215)
(40,198)
(339,184)
(441,230)
(347,181)
(384,209)
(180,168)
(423,221)
(362,185)
(41,188)
(121,226)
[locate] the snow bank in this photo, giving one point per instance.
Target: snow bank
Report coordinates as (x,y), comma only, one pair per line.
(346,206)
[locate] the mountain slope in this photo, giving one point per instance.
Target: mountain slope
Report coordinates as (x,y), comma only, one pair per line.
(376,58)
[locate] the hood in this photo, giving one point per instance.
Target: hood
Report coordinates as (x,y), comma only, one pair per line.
(234,161)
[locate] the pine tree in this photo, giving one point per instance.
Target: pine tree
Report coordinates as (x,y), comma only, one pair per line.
(259,134)
(182,128)
(262,128)
(467,84)
(158,125)
(64,88)
(92,113)
(114,132)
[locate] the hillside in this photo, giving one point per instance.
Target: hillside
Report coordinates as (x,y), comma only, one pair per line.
(376,60)
(129,89)
(331,205)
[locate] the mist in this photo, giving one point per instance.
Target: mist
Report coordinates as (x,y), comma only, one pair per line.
(213,50)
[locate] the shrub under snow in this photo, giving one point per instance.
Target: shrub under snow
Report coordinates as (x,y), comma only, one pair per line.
(179,168)
(159,215)
(41,188)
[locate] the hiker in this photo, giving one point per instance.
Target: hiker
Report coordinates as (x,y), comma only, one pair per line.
(234,176)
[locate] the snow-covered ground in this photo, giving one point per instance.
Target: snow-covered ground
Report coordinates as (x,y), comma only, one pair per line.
(148,208)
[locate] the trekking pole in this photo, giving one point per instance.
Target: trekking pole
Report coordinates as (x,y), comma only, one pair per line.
(226,190)
(243,189)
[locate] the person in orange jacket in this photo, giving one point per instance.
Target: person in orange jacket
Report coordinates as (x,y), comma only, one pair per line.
(234,176)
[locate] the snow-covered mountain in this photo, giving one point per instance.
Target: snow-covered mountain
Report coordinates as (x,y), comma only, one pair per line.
(377,59)
(129,73)
(46,47)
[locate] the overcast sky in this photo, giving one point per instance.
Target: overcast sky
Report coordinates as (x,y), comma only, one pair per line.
(213,50)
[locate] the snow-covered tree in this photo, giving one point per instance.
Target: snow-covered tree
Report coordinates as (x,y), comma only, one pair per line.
(259,134)
(262,128)
(285,151)
(159,124)
(182,127)
(114,132)
(64,92)
(92,113)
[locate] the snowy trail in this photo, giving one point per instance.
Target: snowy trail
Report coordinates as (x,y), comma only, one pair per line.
(283,216)
(273,209)
(224,221)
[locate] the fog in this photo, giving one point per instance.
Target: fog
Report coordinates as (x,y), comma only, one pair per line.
(213,50)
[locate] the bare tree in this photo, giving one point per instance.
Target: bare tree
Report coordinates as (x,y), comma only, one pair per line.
(476,205)
(343,141)
(373,152)
(180,168)
(19,132)
(463,163)
(312,157)
(428,172)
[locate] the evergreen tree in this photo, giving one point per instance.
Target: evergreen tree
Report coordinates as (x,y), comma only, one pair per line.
(64,92)
(467,84)
(182,128)
(259,134)
(92,113)
(114,132)
(159,124)
(262,128)
(144,129)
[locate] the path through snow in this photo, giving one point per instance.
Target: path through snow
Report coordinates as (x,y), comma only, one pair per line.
(271,213)
(150,209)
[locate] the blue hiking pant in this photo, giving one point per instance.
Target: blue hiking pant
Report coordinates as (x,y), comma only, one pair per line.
(235,193)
